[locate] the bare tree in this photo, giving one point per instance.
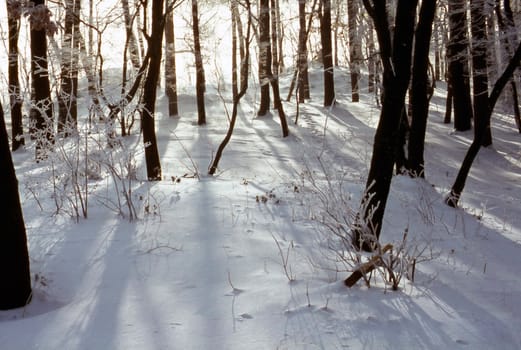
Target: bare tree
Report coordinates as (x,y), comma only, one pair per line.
(459,184)
(154,51)
(67,96)
(327,54)
(270,78)
(264,56)
(131,37)
(200,84)
(170,64)
(395,53)
(14,10)
(355,47)
(41,105)
(300,75)
(14,256)
(457,55)
(243,71)
(479,70)
(421,91)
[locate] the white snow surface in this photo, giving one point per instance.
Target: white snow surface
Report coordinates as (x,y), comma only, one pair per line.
(203,265)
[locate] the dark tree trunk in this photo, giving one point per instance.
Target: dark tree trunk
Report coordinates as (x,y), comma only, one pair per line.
(236,97)
(199,78)
(300,76)
(41,114)
(15,97)
(264,56)
(420,95)
(14,257)
(457,188)
(508,40)
(401,143)
(149,92)
(396,58)
(303,79)
(170,65)
(457,55)
(448,105)
(517,113)
(67,97)
(479,71)
(273,77)
(327,54)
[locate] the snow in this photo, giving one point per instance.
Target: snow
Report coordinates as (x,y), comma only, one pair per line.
(238,260)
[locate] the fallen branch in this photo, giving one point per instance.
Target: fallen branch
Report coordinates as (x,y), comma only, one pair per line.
(365,268)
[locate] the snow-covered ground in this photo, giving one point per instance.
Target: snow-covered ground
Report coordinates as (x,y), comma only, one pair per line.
(240,260)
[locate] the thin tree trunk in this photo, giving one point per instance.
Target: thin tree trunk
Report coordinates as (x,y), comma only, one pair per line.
(327,54)
(459,184)
(517,113)
(448,105)
(355,48)
(16,288)
(243,68)
(15,97)
(396,58)
(67,105)
(300,76)
(200,84)
(420,95)
(236,97)
(132,41)
(264,56)
(479,70)
(274,42)
(280,37)
(149,92)
(41,114)
(235,73)
(274,82)
(170,64)
(457,54)
(303,79)
(371,61)
(509,39)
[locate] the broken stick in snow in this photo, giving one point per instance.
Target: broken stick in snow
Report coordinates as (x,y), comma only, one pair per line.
(367,266)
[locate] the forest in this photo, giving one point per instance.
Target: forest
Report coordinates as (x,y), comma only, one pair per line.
(347,172)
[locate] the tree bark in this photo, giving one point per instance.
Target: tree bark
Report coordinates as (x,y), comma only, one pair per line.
(15,98)
(479,71)
(170,65)
(236,97)
(14,256)
(264,56)
(327,54)
(303,78)
(67,97)
(420,95)
(200,79)
(131,37)
(457,55)
(396,59)
(41,113)
(355,48)
(459,184)
(149,92)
